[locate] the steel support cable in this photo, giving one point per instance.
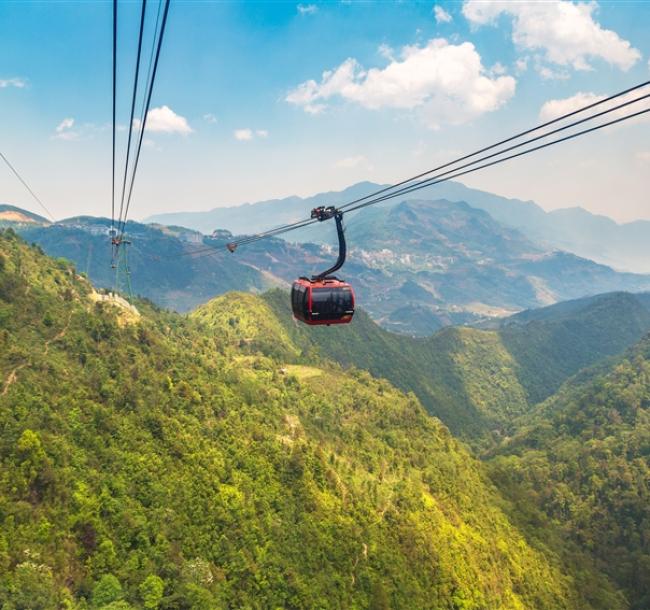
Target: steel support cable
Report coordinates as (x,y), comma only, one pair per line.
(274,232)
(245,240)
(133,98)
(252,238)
(114,104)
(507,140)
(434,179)
(426,183)
(31,192)
(300,224)
(144,121)
(415,187)
(151,54)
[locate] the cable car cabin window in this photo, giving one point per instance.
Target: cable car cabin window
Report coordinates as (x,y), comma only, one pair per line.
(330,303)
(299,300)
(295,298)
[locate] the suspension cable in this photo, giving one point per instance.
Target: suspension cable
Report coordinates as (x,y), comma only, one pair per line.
(151,56)
(31,192)
(418,186)
(506,141)
(114,104)
(144,121)
(133,98)
(435,179)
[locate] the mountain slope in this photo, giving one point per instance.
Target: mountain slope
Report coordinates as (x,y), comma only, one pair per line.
(159,461)
(11,216)
(553,341)
(584,461)
(161,267)
(478,381)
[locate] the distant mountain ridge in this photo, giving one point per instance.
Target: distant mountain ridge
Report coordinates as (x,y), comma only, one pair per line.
(417,265)
(623,246)
(421,264)
(10,215)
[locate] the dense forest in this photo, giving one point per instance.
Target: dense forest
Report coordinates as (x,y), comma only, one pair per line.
(584,460)
(153,460)
(478,382)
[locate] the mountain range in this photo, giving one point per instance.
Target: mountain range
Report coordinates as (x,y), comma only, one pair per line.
(417,265)
(624,246)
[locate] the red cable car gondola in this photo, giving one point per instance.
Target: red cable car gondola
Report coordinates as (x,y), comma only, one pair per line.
(324,299)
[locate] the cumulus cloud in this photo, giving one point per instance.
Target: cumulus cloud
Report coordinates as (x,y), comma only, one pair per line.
(307,9)
(446,83)
(243,135)
(210,118)
(555,108)
(65,130)
(353,162)
(247,134)
(521,64)
(18,83)
(564,32)
(165,120)
(386,51)
(549,74)
(64,125)
(441,15)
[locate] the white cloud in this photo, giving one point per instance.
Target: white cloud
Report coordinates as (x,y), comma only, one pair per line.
(441,15)
(549,74)
(387,52)
(247,134)
(565,32)
(64,125)
(210,118)
(353,162)
(18,83)
(165,120)
(307,9)
(243,135)
(555,108)
(64,130)
(446,83)
(521,64)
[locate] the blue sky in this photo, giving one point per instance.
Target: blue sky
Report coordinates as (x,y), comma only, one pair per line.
(257,100)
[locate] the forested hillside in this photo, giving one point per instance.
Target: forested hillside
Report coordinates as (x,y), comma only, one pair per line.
(155,461)
(478,381)
(158,258)
(584,461)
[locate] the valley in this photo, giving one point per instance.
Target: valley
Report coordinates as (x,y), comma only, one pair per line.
(192,456)
(418,265)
